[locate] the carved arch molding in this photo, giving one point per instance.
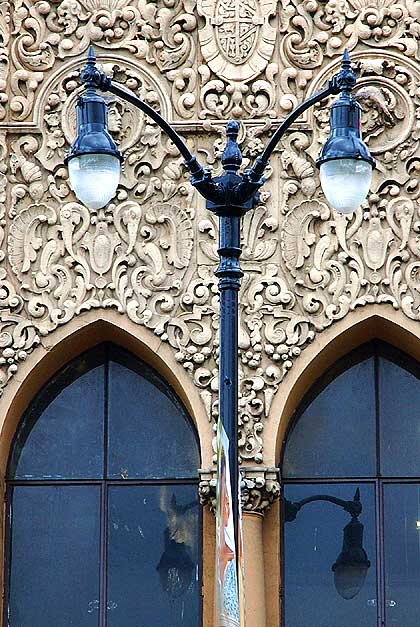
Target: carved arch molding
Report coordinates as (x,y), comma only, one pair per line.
(151,253)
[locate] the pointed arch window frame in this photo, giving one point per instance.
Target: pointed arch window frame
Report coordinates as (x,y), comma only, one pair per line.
(376,348)
(104,482)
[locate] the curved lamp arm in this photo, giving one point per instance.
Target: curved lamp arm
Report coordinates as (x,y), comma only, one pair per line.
(92,77)
(344,80)
(354,507)
(240,192)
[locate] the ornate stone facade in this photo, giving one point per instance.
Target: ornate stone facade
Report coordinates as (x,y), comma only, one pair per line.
(151,253)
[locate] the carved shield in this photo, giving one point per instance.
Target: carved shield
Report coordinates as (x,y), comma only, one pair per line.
(237,33)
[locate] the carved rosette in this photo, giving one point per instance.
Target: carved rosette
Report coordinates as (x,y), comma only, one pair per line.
(260,488)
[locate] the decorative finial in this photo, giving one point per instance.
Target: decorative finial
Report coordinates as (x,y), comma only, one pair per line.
(91,59)
(345,62)
(91,76)
(345,80)
(232,156)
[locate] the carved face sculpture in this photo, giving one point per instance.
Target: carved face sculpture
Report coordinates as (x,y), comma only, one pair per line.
(377,105)
(115,116)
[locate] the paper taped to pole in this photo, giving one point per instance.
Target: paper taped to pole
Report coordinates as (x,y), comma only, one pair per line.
(229,606)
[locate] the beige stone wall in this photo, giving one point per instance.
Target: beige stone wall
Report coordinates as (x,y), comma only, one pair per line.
(141,271)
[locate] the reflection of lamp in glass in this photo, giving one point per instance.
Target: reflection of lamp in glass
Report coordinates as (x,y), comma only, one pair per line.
(175,568)
(352,564)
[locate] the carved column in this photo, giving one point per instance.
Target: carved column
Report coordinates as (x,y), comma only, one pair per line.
(260,489)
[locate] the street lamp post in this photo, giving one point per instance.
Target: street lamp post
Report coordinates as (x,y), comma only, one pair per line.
(345,165)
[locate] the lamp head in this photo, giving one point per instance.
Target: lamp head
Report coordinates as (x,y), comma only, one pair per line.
(352,564)
(93,159)
(345,162)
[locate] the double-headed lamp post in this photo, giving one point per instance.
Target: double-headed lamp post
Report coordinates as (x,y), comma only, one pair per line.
(345,168)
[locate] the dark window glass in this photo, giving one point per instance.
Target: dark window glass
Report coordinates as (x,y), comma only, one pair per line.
(331,438)
(149,432)
(85,548)
(54,575)
(374,390)
(402,554)
(399,410)
(312,544)
(61,435)
(153,556)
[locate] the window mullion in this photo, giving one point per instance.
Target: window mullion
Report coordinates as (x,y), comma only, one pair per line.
(104,503)
(380,561)
(103,556)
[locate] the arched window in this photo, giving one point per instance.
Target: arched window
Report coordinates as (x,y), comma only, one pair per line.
(356,433)
(103,516)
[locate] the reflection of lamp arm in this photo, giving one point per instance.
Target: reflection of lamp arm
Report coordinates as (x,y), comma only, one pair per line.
(352,564)
(354,507)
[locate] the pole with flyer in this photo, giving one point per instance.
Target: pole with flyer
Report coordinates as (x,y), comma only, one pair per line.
(345,164)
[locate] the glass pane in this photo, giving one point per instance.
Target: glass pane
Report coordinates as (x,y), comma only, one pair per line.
(61,434)
(399,402)
(54,573)
(153,568)
(336,434)
(312,543)
(402,554)
(150,435)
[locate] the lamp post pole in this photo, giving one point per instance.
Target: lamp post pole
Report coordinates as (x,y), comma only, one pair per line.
(229,196)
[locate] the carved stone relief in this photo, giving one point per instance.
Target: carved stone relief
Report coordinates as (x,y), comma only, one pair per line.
(237,43)
(260,487)
(151,253)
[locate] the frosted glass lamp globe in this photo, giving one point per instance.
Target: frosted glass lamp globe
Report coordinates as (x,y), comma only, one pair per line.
(345,183)
(94,178)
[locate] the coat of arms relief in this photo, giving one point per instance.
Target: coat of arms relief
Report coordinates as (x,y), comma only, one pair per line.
(151,253)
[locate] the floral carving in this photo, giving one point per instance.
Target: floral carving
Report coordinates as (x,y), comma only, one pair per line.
(260,488)
(69,260)
(47,32)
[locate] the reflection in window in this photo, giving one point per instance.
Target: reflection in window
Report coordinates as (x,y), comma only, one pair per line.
(332,441)
(103,509)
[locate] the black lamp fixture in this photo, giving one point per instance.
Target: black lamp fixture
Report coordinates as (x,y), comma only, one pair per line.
(345,162)
(175,568)
(94,159)
(94,165)
(351,566)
